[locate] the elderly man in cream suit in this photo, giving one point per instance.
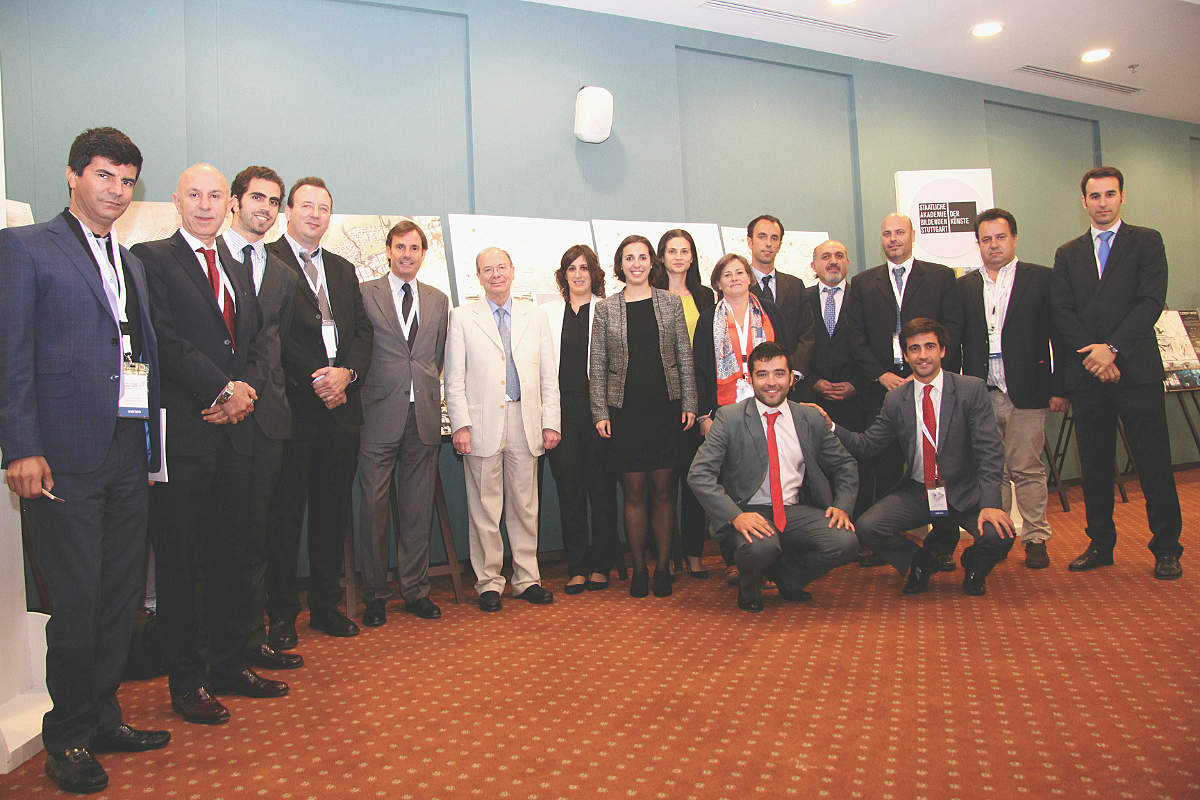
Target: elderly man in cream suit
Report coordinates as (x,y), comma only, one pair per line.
(502,396)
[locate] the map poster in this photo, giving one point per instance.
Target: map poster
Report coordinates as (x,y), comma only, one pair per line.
(610,232)
(943,205)
(534,245)
(795,255)
(1178,334)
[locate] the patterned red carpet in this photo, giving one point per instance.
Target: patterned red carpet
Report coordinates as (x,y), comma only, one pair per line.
(1053,685)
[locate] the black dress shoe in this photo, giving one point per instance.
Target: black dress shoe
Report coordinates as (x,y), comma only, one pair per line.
(943,562)
(537,595)
(424,608)
(974,583)
(77,771)
(1167,568)
(248,683)
(595,586)
(268,657)
(333,622)
(489,601)
(662,583)
(1090,559)
(124,739)
(918,578)
(375,614)
(794,595)
(749,601)
(200,706)
(575,588)
(283,634)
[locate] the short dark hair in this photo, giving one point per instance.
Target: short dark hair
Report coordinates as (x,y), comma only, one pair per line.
(241,181)
(309,181)
(919,325)
(656,265)
(407,226)
(719,267)
(107,143)
(1101,172)
(760,218)
(767,351)
(593,264)
(994,214)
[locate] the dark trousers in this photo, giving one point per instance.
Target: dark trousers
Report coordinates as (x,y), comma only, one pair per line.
(318,471)
(580,467)
(1142,409)
(200,525)
(92,551)
(880,528)
(799,554)
(264,478)
(693,526)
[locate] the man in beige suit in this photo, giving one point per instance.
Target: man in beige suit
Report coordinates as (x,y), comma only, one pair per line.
(502,395)
(402,425)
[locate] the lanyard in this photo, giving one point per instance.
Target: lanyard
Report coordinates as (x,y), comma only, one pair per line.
(406,324)
(113,278)
(744,343)
(995,299)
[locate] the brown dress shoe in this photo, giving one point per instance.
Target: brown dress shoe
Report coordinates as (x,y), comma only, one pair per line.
(248,684)
(200,706)
(268,657)
(1036,556)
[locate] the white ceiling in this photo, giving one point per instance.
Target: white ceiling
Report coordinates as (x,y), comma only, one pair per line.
(1162,37)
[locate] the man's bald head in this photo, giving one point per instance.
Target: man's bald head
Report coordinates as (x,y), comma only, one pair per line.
(896,236)
(202,199)
(830,262)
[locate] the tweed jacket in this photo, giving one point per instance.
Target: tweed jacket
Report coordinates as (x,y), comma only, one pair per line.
(610,352)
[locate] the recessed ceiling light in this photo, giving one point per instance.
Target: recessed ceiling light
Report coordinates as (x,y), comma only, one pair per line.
(1092,56)
(985,29)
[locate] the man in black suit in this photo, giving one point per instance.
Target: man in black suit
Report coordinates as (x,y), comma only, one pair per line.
(207,323)
(326,351)
(1007,332)
(955,464)
(257,195)
(764,237)
(1108,290)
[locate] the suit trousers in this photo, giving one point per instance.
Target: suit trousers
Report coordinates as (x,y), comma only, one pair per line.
(504,483)
(264,479)
(1024,433)
(200,527)
(880,528)
(799,554)
(580,467)
(318,472)
(411,466)
(92,551)
(1143,411)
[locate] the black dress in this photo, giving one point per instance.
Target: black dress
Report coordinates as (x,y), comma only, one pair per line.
(645,431)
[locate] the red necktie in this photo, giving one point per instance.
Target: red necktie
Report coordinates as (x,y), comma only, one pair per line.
(224,300)
(928,452)
(778,515)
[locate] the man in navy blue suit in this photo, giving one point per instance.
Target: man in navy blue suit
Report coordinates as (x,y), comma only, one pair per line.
(79,430)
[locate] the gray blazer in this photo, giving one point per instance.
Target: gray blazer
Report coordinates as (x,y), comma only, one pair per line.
(610,352)
(394,365)
(731,464)
(970,455)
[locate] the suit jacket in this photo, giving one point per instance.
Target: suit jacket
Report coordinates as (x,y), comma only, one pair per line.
(1025,339)
(272,413)
(732,463)
(60,349)
(970,454)
(704,352)
(789,296)
(197,354)
(1119,309)
(610,352)
(476,374)
(928,292)
(832,359)
(303,348)
(394,365)
(555,310)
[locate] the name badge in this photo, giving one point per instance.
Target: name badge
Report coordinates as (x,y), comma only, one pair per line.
(744,389)
(897,355)
(994,347)
(937,501)
(329,337)
(134,399)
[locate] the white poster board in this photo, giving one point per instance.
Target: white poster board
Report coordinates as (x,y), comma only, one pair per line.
(943,205)
(795,254)
(610,232)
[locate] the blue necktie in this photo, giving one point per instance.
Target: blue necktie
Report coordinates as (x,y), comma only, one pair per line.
(899,273)
(512,381)
(1105,238)
(830,308)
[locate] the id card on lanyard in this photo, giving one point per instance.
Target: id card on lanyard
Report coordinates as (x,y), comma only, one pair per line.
(936,494)
(995,308)
(743,347)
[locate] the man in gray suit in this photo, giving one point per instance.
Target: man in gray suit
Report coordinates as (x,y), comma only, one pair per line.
(779,483)
(402,424)
(945,426)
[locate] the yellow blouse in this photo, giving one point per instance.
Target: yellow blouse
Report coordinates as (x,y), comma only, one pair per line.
(691,315)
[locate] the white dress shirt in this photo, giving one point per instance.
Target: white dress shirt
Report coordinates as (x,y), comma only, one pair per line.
(196,245)
(996,294)
(791,457)
(896,290)
(397,286)
(918,470)
(258,255)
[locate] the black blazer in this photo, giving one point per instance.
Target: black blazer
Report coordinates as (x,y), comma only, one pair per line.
(272,413)
(832,359)
(196,355)
(789,297)
(1119,309)
(1026,337)
(303,349)
(928,292)
(705,353)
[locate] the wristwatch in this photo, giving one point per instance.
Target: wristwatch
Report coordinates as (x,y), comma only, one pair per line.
(225,394)
(1112,349)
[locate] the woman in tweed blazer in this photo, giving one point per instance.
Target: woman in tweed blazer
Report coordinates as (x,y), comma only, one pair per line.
(643,395)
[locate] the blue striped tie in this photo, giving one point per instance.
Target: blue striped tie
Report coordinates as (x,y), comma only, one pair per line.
(830,308)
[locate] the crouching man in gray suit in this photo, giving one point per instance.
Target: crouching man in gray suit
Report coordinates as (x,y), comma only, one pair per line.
(772,475)
(947,430)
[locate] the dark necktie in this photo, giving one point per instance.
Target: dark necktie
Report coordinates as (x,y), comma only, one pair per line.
(928,452)
(224,300)
(766,286)
(405,310)
(778,514)
(248,261)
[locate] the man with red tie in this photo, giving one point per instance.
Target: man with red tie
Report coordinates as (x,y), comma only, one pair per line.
(946,429)
(772,476)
